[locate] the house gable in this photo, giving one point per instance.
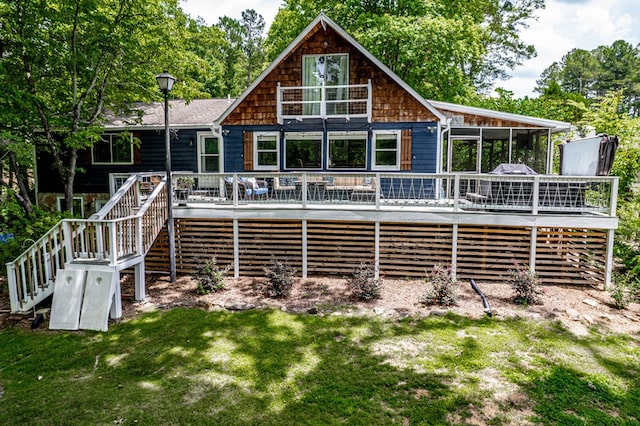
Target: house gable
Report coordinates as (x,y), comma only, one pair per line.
(392,99)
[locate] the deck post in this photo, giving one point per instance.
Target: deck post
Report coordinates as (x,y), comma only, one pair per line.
(608,266)
(378,191)
(66,242)
(113,250)
(533,248)
(236,249)
(13,287)
(376,251)
(456,197)
(535,199)
(454,246)
(305,269)
(140,291)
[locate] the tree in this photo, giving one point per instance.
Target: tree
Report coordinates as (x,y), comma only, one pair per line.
(70,61)
(231,53)
(252,44)
(596,72)
(445,49)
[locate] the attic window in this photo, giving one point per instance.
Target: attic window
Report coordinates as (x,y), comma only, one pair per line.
(113,148)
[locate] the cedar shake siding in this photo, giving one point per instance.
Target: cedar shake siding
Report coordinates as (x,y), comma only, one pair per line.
(391,102)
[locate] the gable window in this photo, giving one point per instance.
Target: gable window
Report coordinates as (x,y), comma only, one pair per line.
(113,148)
(386,150)
(266,150)
(331,71)
(303,150)
(347,150)
(209,154)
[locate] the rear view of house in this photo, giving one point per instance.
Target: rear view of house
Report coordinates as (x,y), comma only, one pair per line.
(329,159)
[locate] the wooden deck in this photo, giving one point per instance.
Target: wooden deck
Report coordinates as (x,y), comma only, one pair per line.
(405,225)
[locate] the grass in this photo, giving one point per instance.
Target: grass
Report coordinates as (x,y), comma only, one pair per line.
(187,366)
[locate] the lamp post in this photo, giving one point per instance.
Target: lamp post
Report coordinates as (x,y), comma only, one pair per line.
(165,81)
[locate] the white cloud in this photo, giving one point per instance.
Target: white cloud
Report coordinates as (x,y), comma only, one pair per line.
(565,25)
(212,10)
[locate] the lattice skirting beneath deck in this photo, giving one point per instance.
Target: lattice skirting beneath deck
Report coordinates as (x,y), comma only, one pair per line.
(334,248)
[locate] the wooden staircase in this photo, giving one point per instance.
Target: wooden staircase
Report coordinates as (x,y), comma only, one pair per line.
(117,237)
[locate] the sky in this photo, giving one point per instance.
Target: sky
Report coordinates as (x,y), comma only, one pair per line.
(563,25)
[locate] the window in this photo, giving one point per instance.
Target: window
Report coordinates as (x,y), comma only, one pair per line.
(113,148)
(327,70)
(386,150)
(209,154)
(347,150)
(303,151)
(266,150)
(77,207)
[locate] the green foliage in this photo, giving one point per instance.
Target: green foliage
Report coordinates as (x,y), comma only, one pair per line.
(624,288)
(363,284)
(274,368)
(210,277)
(445,51)
(280,277)
(26,229)
(594,73)
(442,287)
(525,285)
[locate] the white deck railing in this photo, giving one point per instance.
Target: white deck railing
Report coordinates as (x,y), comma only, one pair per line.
(478,193)
(348,101)
(104,238)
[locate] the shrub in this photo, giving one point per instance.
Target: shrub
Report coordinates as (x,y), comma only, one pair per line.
(210,277)
(442,287)
(624,289)
(525,285)
(363,284)
(25,228)
(279,279)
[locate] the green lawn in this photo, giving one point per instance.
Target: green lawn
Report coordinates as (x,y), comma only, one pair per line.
(187,366)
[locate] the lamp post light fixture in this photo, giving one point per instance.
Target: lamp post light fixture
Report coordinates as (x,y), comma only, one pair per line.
(165,81)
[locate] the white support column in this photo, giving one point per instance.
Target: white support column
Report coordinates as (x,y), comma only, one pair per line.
(67,241)
(533,248)
(304,249)
(535,199)
(140,289)
(236,249)
(608,267)
(454,249)
(376,253)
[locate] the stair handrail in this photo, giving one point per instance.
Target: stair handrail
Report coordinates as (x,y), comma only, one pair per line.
(32,274)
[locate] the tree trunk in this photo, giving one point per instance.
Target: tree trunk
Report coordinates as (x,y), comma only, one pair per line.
(22,195)
(68,179)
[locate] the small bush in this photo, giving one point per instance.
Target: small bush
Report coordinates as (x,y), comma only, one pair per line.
(210,277)
(363,284)
(442,287)
(624,289)
(279,279)
(525,285)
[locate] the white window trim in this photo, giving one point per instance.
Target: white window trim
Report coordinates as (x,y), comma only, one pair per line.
(347,135)
(111,163)
(303,135)
(257,166)
(60,200)
(374,149)
(200,136)
(325,55)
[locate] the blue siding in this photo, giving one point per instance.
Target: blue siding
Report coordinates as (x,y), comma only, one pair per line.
(424,140)
(151,157)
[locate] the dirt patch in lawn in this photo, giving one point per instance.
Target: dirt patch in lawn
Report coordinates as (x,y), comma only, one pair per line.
(577,308)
